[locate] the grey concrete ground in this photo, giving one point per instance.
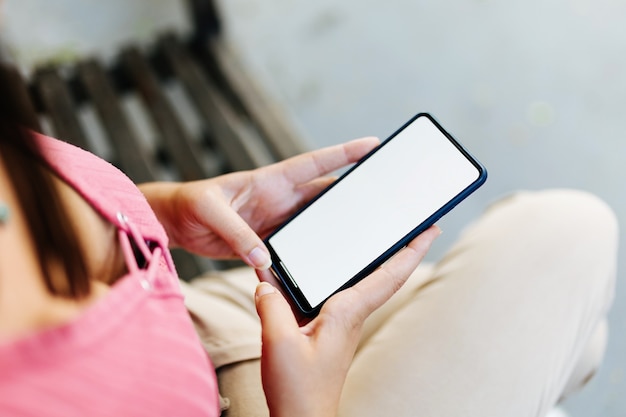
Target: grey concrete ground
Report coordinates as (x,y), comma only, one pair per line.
(535,88)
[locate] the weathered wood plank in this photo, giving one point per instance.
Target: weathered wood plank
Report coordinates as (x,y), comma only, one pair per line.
(182,149)
(264,112)
(244,148)
(57,103)
(132,158)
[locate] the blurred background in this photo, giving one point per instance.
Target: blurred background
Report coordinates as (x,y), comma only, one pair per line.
(536,89)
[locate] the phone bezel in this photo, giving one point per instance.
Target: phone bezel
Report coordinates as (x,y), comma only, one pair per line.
(284,277)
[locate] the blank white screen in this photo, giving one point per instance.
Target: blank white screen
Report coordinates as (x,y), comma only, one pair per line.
(372,208)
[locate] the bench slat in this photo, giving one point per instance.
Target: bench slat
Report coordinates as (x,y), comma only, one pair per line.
(243,148)
(131,156)
(265,113)
(177,141)
(56,101)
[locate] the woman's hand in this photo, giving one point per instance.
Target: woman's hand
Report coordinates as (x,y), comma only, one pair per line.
(228,216)
(304,368)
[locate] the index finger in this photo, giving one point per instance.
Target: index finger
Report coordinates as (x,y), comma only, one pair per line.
(308,166)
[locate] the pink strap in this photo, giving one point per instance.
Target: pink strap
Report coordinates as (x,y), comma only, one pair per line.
(152,256)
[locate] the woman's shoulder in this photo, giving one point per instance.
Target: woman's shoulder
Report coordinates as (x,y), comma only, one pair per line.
(107,189)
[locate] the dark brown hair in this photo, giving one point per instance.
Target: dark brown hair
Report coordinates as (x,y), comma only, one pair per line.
(58,250)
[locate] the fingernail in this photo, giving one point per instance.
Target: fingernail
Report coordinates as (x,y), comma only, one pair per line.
(260,259)
(264,288)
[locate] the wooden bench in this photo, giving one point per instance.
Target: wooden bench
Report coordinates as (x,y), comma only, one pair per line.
(227,122)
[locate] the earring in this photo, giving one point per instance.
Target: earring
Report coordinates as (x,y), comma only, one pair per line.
(4,213)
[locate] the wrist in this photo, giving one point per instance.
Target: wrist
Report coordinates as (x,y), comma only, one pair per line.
(162,199)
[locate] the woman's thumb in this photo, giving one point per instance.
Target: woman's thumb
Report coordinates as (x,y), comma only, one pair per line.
(277,319)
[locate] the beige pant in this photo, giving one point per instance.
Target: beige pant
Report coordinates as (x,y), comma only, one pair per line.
(512,319)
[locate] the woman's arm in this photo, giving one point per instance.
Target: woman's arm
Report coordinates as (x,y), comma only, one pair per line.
(227,216)
(304,368)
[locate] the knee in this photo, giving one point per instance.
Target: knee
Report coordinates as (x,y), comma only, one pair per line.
(556,227)
(563,214)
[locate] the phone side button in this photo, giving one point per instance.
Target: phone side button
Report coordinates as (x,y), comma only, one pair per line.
(293,282)
(273,270)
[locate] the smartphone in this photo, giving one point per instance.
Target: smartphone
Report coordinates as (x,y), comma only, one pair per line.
(372,211)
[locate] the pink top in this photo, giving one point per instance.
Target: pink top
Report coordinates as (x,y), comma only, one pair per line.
(134,352)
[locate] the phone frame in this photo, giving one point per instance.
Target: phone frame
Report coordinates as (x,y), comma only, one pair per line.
(288,282)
